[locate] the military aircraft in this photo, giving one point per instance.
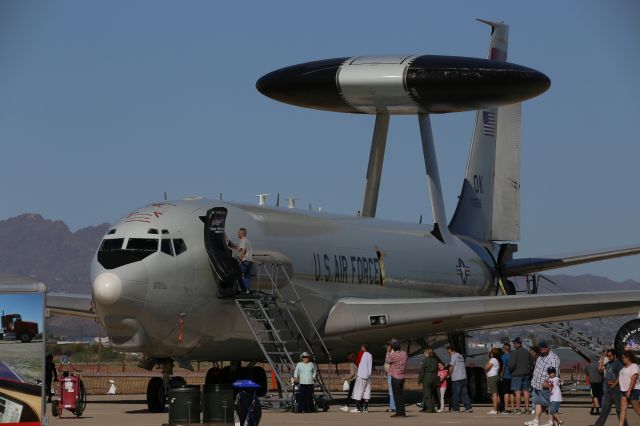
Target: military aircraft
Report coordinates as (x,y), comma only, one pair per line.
(165,281)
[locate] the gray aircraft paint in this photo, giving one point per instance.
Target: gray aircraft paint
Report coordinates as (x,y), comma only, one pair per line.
(326,254)
(167,306)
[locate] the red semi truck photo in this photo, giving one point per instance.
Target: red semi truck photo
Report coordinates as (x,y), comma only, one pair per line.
(12,327)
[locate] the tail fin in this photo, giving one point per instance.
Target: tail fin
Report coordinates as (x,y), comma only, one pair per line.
(489,204)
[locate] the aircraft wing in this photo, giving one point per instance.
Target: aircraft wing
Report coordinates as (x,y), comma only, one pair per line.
(406,318)
(537,264)
(77,305)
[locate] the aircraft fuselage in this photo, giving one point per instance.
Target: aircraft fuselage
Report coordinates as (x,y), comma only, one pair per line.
(159,297)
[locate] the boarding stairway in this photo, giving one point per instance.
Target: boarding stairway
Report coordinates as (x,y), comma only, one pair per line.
(271,319)
(582,344)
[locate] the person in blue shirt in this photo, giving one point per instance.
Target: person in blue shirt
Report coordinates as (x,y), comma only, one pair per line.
(305,375)
(508,399)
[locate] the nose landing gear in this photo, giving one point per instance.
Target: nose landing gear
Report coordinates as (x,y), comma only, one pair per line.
(158,387)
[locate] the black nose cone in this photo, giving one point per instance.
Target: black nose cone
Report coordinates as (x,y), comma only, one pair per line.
(310,85)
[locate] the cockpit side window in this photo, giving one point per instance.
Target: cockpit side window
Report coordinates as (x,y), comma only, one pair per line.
(144,244)
(179,245)
(166,247)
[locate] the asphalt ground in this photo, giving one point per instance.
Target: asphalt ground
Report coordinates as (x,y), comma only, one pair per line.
(132,410)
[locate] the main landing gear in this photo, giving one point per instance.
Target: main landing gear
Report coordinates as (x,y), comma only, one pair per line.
(158,387)
(230,373)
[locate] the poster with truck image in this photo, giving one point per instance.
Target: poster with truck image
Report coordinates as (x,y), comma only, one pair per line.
(22,369)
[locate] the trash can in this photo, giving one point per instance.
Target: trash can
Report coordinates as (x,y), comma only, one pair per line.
(247,402)
(184,404)
(217,403)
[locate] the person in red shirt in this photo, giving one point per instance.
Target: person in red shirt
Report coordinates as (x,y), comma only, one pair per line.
(397,360)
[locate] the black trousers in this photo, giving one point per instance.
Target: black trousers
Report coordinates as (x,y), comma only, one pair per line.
(352,383)
(305,403)
(398,395)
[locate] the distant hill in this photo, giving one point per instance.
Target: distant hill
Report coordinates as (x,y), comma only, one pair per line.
(47,250)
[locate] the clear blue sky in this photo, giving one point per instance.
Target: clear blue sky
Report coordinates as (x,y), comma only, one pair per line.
(29,306)
(106,105)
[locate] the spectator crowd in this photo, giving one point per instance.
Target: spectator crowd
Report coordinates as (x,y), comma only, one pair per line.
(519,381)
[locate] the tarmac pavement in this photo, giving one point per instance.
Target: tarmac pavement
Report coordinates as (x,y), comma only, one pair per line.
(109,410)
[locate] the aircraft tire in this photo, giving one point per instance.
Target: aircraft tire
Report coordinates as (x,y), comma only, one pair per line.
(176,382)
(156,395)
(25,337)
(214,376)
(477,384)
(259,376)
(510,288)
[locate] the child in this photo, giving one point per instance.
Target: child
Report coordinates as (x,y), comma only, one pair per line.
(556,396)
(443,373)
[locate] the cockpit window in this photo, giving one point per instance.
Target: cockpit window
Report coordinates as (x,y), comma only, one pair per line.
(111,255)
(144,244)
(111,232)
(179,245)
(165,247)
(112,244)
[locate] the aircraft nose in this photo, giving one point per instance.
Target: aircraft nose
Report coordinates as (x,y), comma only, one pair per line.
(107,288)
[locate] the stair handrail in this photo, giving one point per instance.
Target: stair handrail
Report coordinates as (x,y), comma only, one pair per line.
(304,309)
(278,294)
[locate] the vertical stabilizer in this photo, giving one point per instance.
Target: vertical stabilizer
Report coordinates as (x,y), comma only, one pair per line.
(489,204)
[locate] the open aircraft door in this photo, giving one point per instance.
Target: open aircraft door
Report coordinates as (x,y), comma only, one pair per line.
(225,266)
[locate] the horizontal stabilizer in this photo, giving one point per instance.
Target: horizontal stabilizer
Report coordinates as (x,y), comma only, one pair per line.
(351,318)
(538,264)
(77,305)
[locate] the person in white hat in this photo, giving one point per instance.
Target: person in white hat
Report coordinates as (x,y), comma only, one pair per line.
(362,389)
(305,375)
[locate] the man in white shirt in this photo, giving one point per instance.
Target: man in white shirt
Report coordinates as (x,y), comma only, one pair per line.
(459,386)
(245,255)
(362,389)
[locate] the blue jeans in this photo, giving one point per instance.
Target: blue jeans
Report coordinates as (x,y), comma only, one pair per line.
(245,279)
(392,403)
(610,397)
(459,389)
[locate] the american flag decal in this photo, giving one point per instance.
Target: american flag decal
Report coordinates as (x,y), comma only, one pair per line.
(489,123)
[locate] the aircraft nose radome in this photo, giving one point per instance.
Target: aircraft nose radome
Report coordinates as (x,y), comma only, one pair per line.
(107,288)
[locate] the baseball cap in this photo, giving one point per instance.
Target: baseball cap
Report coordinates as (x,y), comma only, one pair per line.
(517,340)
(543,345)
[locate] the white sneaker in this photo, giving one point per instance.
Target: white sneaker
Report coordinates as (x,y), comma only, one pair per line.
(532,423)
(440,410)
(355,410)
(344,408)
(492,412)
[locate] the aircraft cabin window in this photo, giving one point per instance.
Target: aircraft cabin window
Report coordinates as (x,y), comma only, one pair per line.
(143,244)
(111,232)
(180,246)
(112,244)
(166,247)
